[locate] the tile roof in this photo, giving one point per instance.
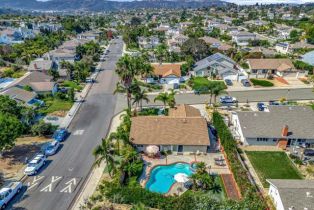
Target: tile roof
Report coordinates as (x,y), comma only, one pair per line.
(167,69)
(298,194)
(299,120)
(271,63)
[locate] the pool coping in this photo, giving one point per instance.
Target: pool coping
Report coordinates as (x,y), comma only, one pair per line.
(150,170)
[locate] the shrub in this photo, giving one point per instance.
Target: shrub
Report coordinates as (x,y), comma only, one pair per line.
(263,83)
(43,129)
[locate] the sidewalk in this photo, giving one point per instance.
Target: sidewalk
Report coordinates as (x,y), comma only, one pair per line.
(96,174)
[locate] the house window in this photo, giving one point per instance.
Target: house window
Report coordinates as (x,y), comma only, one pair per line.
(140,145)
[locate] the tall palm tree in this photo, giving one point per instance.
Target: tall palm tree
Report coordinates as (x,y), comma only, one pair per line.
(219,89)
(105,152)
(139,97)
(162,97)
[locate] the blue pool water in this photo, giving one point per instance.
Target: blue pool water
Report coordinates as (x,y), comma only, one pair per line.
(162,177)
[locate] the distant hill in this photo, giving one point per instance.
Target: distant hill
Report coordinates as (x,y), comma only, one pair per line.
(104,5)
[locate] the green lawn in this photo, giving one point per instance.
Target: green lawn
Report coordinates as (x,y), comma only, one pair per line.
(202,84)
(72,84)
(261,82)
(273,165)
(52,105)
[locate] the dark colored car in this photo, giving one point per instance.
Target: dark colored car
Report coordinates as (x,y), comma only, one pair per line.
(261,106)
(274,103)
(309,152)
(245,83)
(60,134)
(228,82)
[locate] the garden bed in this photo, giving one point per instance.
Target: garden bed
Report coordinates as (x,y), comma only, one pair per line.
(262,83)
(273,165)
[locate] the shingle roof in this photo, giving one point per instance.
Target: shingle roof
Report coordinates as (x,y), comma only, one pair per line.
(295,193)
(183,126)
(19,94)
(269,124)
(42,86)
(39,65)
(167,69)
(149,130)
(184,110)
(270,63)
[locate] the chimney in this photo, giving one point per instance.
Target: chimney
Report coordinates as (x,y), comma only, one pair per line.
(284,131)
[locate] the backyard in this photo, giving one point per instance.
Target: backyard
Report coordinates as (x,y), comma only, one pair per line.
(273,165)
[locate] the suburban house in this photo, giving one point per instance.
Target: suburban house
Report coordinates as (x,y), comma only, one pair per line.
(283,31)
(21,96)
(177,40)
(219,65)
(166,73)
(282,47)
(73,43)
(41,65)
(291,194)
(148,42)
(255,23)
(273,66)
(183,131)
(243,38)
(215,43)
(279,126)
(59,55)
(10,36)
(89,35)
(184,25)
(44,87)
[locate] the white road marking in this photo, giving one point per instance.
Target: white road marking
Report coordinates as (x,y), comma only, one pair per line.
(34,182)
(48,188)
(68,188)
(78,132)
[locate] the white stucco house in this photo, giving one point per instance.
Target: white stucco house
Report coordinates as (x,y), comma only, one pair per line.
(165,73)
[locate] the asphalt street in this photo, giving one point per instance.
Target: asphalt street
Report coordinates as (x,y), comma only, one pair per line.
(58,183)
(242,96)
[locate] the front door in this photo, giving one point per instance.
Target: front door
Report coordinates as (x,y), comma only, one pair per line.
(180,148)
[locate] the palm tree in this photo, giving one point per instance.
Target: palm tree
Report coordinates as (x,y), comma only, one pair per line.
(201,168)
(105,152)
(139,97)
(172,99)
(219,89)
(162,97)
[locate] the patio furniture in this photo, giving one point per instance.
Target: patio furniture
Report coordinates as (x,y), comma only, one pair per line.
(220,163)
(219,159)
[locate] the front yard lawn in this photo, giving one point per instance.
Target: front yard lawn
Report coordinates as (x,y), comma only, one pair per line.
(53,105)
(262,83)
(273,165)
(202,84)
(72,84)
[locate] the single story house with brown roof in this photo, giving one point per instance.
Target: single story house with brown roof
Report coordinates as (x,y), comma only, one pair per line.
(40,65)
(280,67)
(165,73)
(44,87)
(20,95)
(215,43)
(183,131)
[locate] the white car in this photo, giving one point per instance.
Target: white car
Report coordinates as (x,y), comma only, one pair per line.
(8,192)
(227,99)
(52,148)
(35,164)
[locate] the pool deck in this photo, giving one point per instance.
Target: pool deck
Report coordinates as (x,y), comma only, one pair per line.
(209,159)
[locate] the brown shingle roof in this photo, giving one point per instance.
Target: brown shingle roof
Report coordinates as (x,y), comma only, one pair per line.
(184,110)
(19,94)
(153,130)
(275,64)
(42,86)
(167,69)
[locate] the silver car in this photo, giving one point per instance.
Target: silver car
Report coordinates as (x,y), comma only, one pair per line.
(52,148)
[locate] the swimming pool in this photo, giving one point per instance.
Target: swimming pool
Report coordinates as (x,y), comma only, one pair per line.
(162,177)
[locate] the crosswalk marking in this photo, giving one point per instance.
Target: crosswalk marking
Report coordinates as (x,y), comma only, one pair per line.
(78,132)
(48,188)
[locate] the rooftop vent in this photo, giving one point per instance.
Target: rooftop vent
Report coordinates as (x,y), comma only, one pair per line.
(309,195)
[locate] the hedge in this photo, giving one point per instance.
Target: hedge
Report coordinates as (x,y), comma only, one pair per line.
(263,83)
(237,169)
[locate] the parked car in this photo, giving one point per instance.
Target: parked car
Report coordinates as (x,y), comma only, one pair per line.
(8,192)
(261,106)
(274,103)
(52,148)
(228,82)
(308,152)
(35,164)
(227,99)
(245,83)
(60,134)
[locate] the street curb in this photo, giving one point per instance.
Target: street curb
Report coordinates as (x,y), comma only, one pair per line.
(88,178)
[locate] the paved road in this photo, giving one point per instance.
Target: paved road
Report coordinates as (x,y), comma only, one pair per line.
(242,96)
(58,183)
